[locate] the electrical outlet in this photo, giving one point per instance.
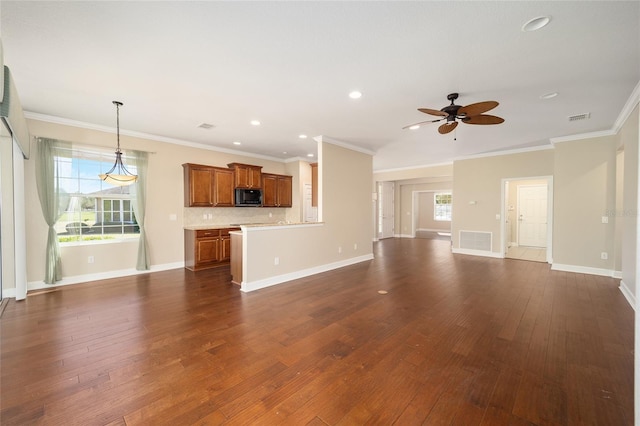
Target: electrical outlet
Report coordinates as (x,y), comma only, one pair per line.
(605,219)
(276,261)
(355,246)
(339,249)
(173,216)
(90,259)
(604,255)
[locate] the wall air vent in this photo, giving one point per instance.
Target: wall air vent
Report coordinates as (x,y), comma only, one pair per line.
(206,126)
(578,117)
(474,240)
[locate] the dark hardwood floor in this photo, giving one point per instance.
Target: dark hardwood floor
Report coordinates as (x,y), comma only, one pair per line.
(456,340)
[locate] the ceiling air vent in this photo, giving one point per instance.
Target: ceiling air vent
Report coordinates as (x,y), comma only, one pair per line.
(578,117)
(206,126)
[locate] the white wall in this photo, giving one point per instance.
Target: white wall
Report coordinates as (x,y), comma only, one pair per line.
(629,135)
(584,192)
(343,238)
(477,189)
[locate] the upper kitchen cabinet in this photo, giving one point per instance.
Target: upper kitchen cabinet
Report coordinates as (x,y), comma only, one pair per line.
(198,185)
(247,176)
(223,182)
(276,190)
(206,186)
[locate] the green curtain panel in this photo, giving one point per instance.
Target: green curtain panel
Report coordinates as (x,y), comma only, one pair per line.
(52,201)
(139,192)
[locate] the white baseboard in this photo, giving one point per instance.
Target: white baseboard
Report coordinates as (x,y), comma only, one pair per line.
(482,253)
(279,279)
(628,294)
(583,270)
(403,236)
(79,279)
(433,230)
(9,293)
(617,274)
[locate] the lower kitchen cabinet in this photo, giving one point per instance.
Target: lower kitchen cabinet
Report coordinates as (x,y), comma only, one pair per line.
(207,248)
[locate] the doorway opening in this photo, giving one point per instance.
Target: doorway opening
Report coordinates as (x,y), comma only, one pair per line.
(432,214)
(386,208)
(527,218)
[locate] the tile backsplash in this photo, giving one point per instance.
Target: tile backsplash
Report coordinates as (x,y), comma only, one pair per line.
(198,216)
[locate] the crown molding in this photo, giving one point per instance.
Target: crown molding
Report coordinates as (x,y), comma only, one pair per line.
(404,169)
(628,108)
(626,111)
(505,152)
(581,136)
(346,145)
(107,129)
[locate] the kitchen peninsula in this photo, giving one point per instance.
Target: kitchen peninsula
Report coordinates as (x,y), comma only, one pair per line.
(242,249)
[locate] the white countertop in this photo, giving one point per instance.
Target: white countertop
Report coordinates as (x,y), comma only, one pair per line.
(249,225)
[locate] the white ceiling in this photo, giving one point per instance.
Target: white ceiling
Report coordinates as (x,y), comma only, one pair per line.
(291,65)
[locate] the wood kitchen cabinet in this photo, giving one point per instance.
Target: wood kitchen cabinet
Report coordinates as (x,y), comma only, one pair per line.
(247,176)
(223,181)
(206,186)
(207,248)
(314,184)
(276,190)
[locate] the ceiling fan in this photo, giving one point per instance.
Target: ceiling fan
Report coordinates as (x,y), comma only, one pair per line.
(470,114)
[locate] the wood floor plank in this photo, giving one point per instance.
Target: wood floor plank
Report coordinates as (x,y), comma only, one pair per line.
(455,340)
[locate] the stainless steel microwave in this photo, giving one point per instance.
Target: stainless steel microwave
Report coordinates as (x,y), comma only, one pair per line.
(248,197)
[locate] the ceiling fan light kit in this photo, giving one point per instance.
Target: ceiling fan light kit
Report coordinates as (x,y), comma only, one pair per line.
(469,114)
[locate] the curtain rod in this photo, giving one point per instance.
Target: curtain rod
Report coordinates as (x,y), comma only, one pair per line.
(88,146)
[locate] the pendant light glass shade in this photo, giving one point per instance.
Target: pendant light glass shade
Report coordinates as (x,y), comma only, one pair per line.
(118,175)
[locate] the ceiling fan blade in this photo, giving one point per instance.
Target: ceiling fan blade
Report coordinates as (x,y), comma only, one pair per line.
(477,108)
(447,127)
(422,122)
(483,119)
(433,112)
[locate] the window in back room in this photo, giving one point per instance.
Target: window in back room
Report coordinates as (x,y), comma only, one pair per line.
(442,206)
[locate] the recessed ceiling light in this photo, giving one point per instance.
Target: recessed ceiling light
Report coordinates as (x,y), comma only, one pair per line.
(355,95)
(414,127)
(284,152)
(309,155)
(255,122)
(549,95)
(237,143)
(302,136)
(536,23)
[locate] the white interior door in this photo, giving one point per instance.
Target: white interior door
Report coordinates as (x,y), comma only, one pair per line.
(385,210)
(532,215)
(310,212)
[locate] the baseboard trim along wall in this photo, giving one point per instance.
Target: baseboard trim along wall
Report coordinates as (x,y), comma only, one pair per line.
(279,279)
(79,279)
(628,295)
(583,270)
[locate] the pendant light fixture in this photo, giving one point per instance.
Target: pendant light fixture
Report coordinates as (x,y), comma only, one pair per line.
(118,175)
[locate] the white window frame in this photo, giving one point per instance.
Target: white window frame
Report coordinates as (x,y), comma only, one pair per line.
(76,178)
(440,207)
